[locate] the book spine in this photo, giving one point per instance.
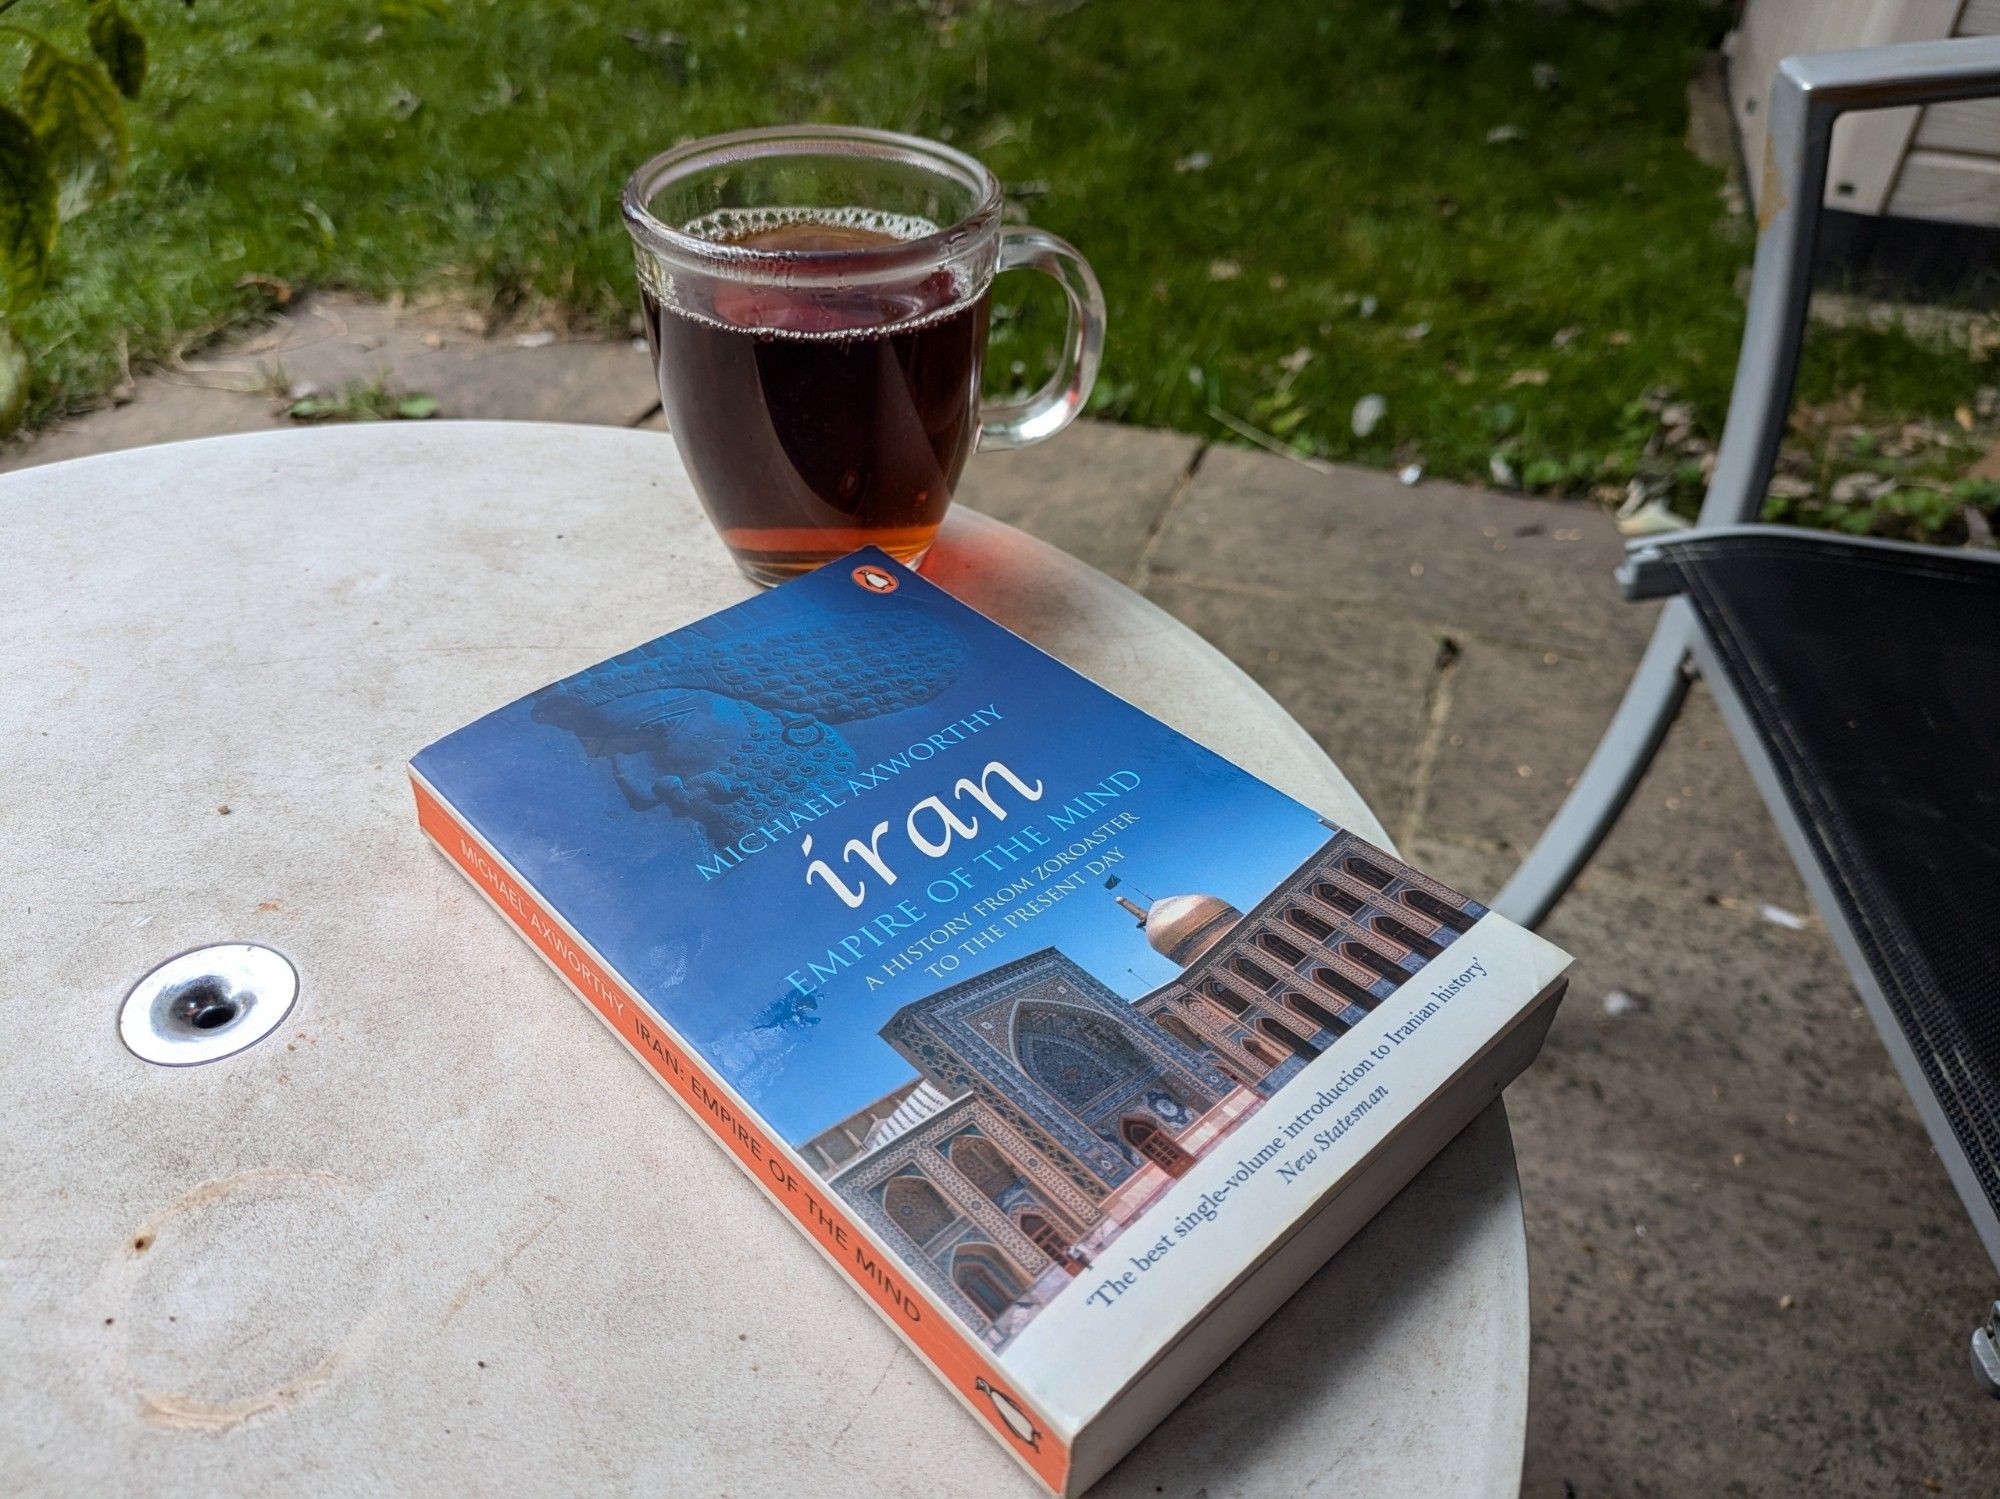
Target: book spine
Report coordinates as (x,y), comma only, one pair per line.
(783,1177)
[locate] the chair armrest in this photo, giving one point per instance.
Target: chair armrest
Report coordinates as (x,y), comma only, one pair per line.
(1807,95)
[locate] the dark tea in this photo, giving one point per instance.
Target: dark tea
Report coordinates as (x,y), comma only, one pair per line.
(817,419)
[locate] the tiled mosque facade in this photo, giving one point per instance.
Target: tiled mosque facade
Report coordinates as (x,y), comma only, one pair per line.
(1049,1111)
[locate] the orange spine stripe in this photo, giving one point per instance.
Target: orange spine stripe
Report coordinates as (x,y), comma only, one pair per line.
(917,1319)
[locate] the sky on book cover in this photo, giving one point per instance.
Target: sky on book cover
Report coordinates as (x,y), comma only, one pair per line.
(659,802)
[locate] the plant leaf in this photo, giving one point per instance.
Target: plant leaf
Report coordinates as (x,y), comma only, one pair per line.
(27,212)
(417,408)
(14,372)
(119,45)
(74,108)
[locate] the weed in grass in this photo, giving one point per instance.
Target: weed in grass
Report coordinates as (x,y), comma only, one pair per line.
(364,401)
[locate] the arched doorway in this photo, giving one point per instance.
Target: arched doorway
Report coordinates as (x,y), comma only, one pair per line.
(1312,925)
(917,1208)
(1409,936)
(1367,872)
(1156,1145)
(1313,1011)
(1044,1235)
(1285,952)
(1442,912)
(1182,1032)
(1258,1053)
(1251,974)
(1339,984)
(980,1162)
(1343,901)
(1377,962)
(1079,1059)
(987,1277)
(1224,996)
(1288,1038)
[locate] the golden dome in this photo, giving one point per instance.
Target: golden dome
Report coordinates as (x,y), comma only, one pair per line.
(1183,927)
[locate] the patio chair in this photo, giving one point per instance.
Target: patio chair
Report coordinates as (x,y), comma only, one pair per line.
(1860,679)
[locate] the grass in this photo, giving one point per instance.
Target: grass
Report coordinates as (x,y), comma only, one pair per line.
(1484,214)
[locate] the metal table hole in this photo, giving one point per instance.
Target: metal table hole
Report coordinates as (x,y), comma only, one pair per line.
(207,1004)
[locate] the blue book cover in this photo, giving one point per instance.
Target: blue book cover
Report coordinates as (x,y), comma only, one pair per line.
(1029,1008)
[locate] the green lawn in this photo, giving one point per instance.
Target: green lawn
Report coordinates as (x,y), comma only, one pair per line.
(1482,213)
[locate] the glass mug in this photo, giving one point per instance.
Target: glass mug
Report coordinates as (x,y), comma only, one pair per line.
(816,304)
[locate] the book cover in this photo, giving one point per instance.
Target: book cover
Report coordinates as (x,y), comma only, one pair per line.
(1044,1022)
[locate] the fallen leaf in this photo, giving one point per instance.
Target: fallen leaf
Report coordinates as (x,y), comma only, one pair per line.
(1649,517)
(1849,488)
(276,288)
(1368,414)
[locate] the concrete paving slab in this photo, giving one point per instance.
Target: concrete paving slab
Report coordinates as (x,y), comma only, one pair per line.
(334,342)
(1698,825)
(1517,728)
(1097,491)
(1357,683)
(1499,566)
(329,344)
(163,409)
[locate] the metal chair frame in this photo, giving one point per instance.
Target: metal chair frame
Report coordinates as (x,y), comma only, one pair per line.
(1807,96)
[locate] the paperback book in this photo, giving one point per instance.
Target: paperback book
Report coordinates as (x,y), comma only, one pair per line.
(1072,1045)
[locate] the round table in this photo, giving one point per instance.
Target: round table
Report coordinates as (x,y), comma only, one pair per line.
(438,1231)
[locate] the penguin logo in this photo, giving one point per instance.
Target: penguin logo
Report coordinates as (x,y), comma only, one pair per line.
(875,579)
(1017,1420)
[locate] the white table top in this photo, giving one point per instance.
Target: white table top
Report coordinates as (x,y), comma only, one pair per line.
(439,1231)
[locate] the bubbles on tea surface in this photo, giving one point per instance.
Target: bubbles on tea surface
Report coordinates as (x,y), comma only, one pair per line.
(732,226)
(778,295)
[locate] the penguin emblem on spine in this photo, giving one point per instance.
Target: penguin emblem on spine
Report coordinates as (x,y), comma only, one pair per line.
(1017,1420)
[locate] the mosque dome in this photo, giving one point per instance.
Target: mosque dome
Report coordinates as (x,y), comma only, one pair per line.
(1181,928)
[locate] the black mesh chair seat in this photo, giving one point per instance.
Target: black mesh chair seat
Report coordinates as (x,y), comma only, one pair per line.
(1869,675)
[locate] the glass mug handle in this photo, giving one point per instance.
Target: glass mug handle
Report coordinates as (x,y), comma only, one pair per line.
(1030,419)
